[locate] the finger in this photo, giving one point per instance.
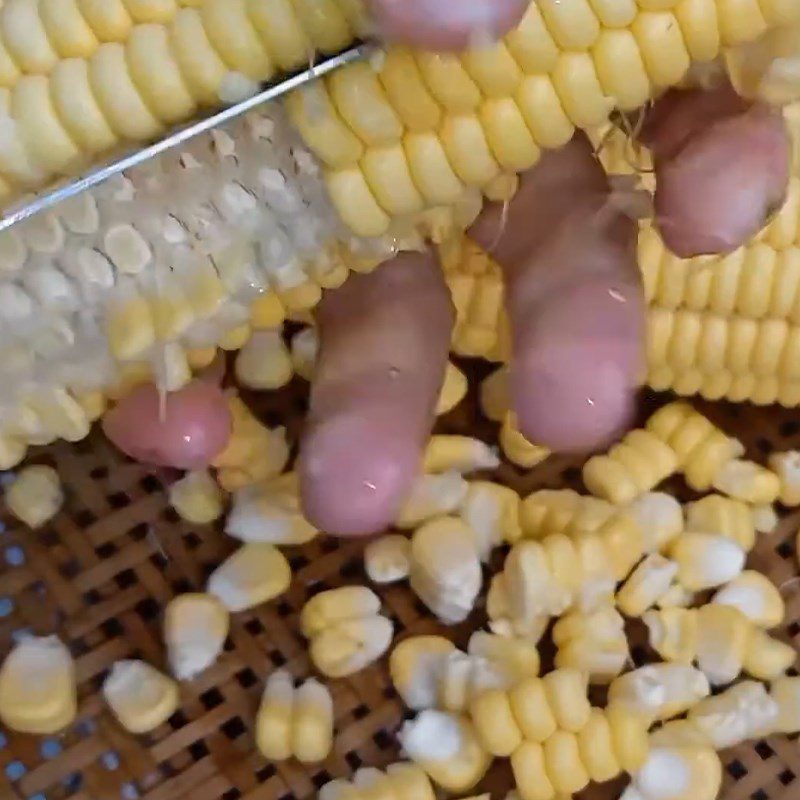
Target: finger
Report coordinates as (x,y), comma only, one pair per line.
(722,168)
(574,301)
(446,24)
(384,341)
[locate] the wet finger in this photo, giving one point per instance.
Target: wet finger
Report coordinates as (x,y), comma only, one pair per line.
(384,341)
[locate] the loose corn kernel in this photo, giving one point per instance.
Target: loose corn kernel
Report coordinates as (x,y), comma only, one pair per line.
(269,512)
(706,560)
(346,630)
(748,481)
(786,466)
(677,773)
(744,711)
(294,722)
(35,496)
(141,697)
(517,448)
(461,454)
(491,511)
(594,644)
(195,628)
(264,362)
(635,465)
(432,496)
(660,691)
(388,559)
(415,665)
(646,585)
(723,515)
(445,568)
(756,597)
(254,574)
(196,497)
(38,688)
(453,391)
(446,746)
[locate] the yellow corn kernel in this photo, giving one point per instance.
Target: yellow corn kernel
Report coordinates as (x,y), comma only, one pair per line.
(274,721)
(742,712)
(563,511)
(634,466)
(706,560)
(596,748)
(629,734)
(530,773)
(531,709)
(387,559)
(406,91)
(646,585)
(445,568)
(723,515)
(494,399)
(494,722)
(312,723)
(748,481)
(673,633)
(195,627)
(454,389)
(267,312)
(767,658)
(408,780)
(756,597)
(566,695)
(461,454)
(724,635)
(346,630)
(196,497)
(687,772)
(660,518)
(38,688)
(432,496)
(563,763)
(786,466)
(35,496)
(517,448)
(660,691)
(264,362)
(130,326)
(491,511)
(594,643)
(786,694)
(254,574)
(414,666)
(702,449)
(141,697)
(446,746)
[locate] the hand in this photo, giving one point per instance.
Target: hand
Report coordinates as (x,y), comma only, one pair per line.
(573,288)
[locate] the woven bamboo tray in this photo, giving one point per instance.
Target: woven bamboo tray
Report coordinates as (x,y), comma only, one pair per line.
(100,574)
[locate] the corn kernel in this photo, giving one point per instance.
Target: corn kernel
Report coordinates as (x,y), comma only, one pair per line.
(35,496)
(660,691)
(786,466)
(646,585)
(517,448)
(415,665)
(756,597)
(706,560)
(140,696)
(195,628)
(491,511)
(254,574)
(264,361)
(461,454)
(196,497)
(388,559)
(432,496)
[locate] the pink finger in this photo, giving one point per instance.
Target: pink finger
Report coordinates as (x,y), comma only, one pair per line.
(574,301)
(446,24)
(384,344)
(722,168)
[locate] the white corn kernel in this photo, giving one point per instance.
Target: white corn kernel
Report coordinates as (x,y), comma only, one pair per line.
(254,574)
(756,597)
(445,745)
(491,511)
(445,568)
(269,512)
(677,773)
(646,585)
(765,518)
(786,694)
(38,689)
(660,691)
(432,496)
(461,454)
(388,559)
(141,697)
(706,560)
(196,497)
(415,666)
(195,627)
(35,496)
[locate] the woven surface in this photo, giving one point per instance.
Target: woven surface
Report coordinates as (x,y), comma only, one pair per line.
(100,574)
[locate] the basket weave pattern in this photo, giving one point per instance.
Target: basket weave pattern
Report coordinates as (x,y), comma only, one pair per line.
(101,572)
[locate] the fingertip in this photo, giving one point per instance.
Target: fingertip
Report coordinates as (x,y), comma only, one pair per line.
(355,472)
(449,25)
